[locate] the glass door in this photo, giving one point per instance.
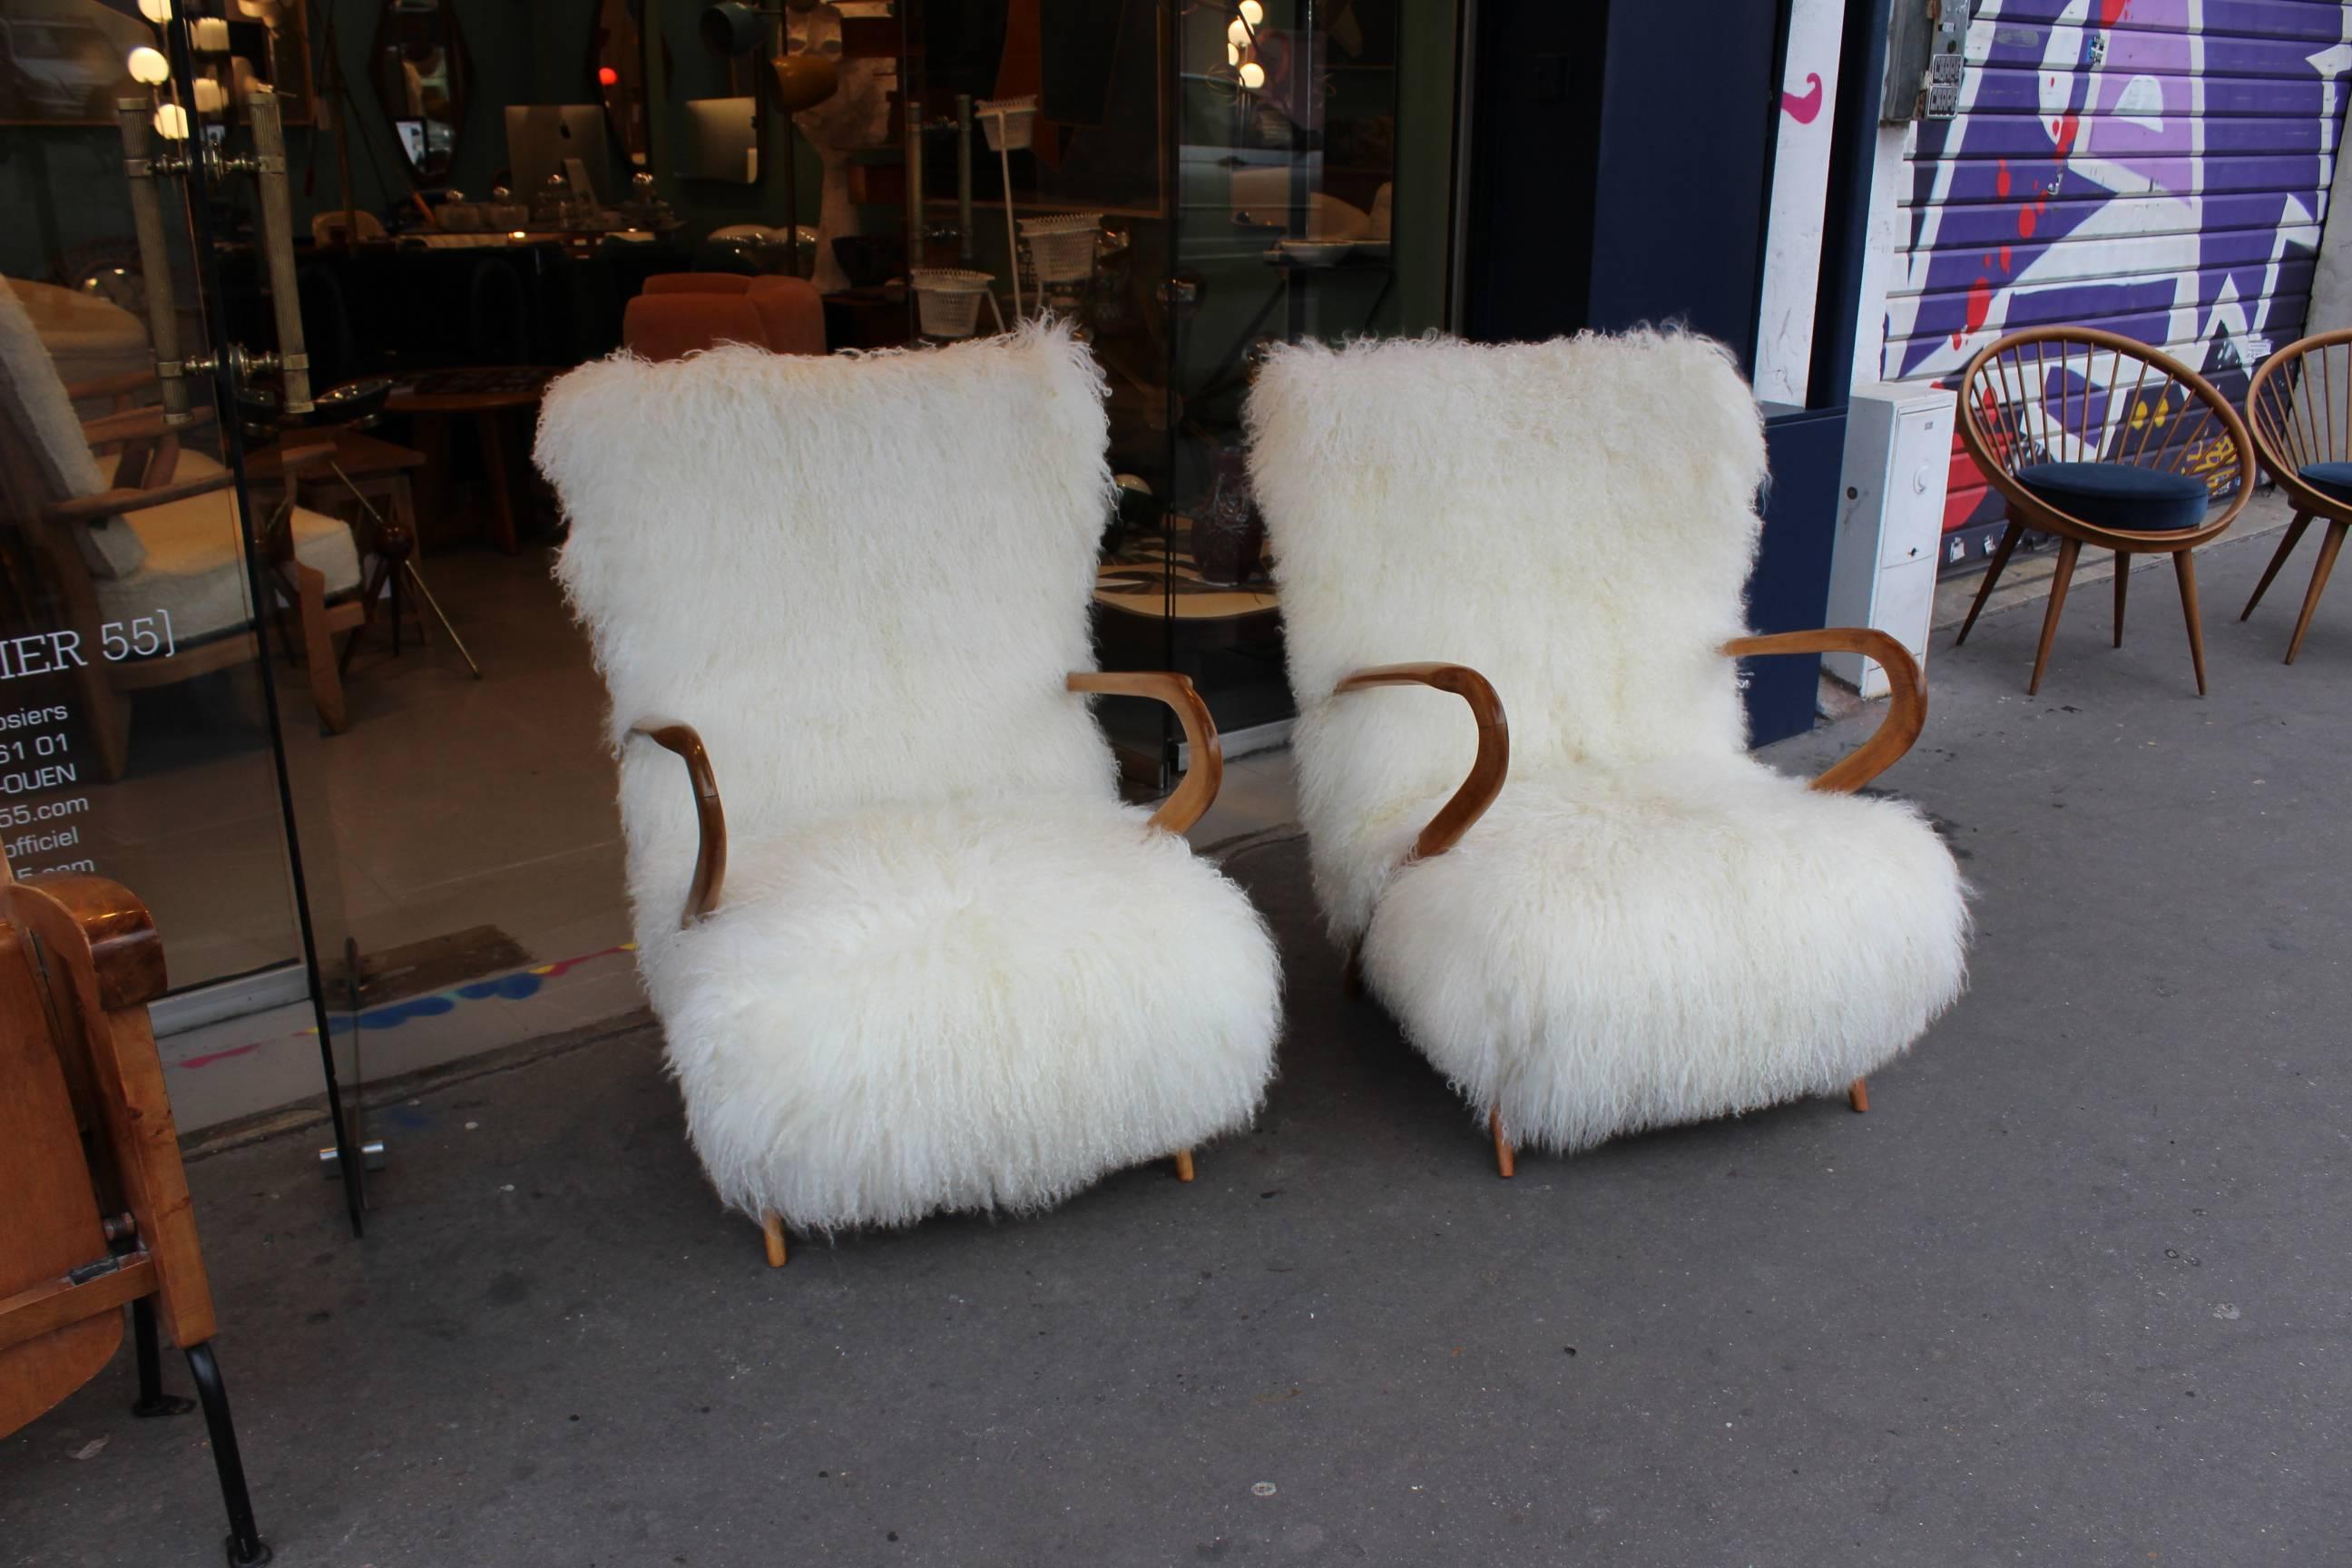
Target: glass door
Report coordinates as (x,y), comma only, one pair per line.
(1284,147)
(168,598)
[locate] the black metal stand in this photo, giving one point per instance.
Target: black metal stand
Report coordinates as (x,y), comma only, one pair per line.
(246,1547)
(152,1400)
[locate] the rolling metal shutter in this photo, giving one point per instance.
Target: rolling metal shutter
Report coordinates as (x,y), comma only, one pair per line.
(2159,168)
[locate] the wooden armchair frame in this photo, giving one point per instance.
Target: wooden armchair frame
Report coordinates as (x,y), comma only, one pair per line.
(2291,415)
(147,454)
(87,1118)
(1183,807)
(2007,422)
(1906,715)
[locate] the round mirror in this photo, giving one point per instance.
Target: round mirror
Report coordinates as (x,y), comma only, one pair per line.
(423,80)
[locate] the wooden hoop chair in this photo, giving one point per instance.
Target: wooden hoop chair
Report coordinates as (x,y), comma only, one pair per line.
(2043,425)
(2308,448)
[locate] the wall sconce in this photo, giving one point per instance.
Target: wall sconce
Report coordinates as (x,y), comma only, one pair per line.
(1241,45)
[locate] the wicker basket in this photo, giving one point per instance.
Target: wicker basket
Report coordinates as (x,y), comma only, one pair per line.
(1062,247)
(1010,122)
(947,300)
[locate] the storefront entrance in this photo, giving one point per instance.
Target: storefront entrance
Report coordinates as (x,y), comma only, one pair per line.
(280,646)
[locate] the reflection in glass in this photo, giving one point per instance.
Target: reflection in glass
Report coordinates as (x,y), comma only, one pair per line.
(620,57)
(422,79)
(133,737)
(62,61)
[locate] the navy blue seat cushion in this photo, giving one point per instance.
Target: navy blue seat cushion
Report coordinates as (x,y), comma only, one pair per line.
(2118,495)
(2331,479)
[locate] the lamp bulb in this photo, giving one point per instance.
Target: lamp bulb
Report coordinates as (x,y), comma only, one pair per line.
(1252,12)
(1253,75)
(156,11)
(171,122)
(149,67)
(1232,54)
(1238,34)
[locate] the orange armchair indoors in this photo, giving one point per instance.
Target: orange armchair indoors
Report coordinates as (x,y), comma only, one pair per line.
(681,313)
(94,1207)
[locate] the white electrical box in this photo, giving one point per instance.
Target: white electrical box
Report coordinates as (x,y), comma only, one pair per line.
(1898,460)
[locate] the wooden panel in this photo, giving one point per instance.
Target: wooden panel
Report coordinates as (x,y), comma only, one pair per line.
(107,964)
(50,1222)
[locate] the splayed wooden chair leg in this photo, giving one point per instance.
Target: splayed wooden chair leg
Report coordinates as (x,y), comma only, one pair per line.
(2008,547)
(2065,574)
(2278,559)
(1857,1094)
(2123,590)
(1505,1162)
(2185,567)
(2327,553)
(772,1226)
(1184,1164)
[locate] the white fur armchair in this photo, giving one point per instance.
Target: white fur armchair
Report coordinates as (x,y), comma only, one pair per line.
(1620,920)
(929,960)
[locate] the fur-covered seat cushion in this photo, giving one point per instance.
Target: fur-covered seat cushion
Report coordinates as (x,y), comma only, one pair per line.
(961,1007)
(948,970)
(1647,926)
(1605,951)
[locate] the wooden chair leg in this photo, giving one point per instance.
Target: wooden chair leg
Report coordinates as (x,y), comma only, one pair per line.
(318,647)
(772,1226)
(494,465)
(1505,1162)
(2060,580)
(2278,559)
(2327,553)
(108,713)
(1857,1094)
(2185,569)
(1184,1164)
(2123,586)
(1992,576)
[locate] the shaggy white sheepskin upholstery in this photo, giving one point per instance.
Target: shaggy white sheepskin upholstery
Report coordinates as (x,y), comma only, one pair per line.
(1648,927)
(949,969)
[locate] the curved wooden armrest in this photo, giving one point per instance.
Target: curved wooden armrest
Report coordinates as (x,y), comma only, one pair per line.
(1192,798)
(109,504)
(1488,771)
(1907,707)
(121,384)
(94,923)
(139,424)
(710,859)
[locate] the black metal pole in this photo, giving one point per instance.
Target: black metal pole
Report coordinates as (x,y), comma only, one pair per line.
(197,204)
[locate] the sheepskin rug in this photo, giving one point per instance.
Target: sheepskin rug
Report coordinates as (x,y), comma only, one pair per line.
(1649,926)
(948,970)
